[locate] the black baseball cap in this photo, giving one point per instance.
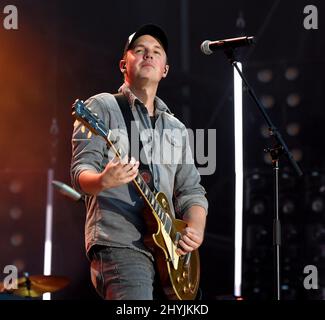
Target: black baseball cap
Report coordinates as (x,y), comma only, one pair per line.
(151,30)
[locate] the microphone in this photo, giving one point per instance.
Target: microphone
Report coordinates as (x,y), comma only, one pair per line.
(208,47)
(67,190)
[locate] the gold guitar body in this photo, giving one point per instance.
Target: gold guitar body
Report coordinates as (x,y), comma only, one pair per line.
(179,275)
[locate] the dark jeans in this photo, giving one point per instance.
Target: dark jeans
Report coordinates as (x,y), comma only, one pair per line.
(123,274)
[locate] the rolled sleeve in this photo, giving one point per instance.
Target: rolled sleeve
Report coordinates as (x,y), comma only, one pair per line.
(187,189)
(87,148)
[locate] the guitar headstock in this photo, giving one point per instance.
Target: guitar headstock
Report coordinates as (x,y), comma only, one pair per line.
(88,118)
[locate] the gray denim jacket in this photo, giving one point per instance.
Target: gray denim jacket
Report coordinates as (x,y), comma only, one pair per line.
(114,217)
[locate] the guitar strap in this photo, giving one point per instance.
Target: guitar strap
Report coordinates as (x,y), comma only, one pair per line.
(128,118)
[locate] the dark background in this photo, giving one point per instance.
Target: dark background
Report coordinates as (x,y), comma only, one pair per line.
(65,50)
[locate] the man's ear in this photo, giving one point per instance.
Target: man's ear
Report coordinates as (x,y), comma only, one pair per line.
(123,66)
(166,71)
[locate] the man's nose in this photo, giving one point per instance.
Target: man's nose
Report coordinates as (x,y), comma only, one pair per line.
(148,55)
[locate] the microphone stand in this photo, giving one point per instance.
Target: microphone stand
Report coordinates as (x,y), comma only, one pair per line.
(278,148)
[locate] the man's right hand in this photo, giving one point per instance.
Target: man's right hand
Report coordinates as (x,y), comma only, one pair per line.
(118,172)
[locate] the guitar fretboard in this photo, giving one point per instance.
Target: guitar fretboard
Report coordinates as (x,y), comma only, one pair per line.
(152,201)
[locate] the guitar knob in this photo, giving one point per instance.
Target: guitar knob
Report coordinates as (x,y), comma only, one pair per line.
(178,279)
(164,203)
(185,274)
(185,289)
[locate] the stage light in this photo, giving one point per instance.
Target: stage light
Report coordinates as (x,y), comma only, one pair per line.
(288,206)
(315,196)
(265,131)
(267,158)
(256,290)
(293,100)
(239,178)
(317,204)
(16,186)
(16,239)
(291,73)
(265,75)
(297,154)
(267,101)
(293,129)
(258,207)
(15,213)
(256,180)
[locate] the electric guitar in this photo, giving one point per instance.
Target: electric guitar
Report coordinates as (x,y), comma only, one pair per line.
(179,274)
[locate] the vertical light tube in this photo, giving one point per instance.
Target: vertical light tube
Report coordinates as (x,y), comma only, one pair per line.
(238,126)
(48,229)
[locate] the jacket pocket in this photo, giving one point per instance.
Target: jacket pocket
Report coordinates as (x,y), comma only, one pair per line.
(171,148)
